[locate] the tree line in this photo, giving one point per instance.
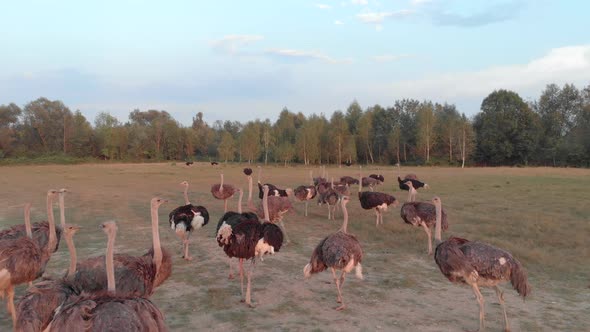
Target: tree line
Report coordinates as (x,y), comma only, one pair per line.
(553,131)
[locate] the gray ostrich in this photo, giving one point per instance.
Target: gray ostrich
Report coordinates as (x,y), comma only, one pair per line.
(341,251)
(278,206)
(306,193)
(478,264)
(221,191)
(422,214)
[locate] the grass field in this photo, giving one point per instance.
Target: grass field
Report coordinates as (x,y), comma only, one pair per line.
(540,215)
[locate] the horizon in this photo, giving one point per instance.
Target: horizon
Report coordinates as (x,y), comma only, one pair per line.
(246,61)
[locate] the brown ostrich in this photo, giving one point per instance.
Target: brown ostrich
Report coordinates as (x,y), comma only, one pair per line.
(330,197)
(422,214)
(306,193)
(375,200)
(278,206)
(244,237)
(341,251)
(139,275)
(478,264)
(21,261)
(109,310)
(221,191)
(36,307)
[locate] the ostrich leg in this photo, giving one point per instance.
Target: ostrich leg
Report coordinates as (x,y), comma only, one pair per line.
(248,289)
(306,203)
(479,298)
(377,217)
(501,300)
(10,304)
(185,240)
(231,274)
(429,233)
(225,205)
(242,275)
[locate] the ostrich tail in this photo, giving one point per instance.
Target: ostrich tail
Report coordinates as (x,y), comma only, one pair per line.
(307,271)
(519,280)
(358,271)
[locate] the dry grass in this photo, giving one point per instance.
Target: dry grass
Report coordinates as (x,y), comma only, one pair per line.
(539,214)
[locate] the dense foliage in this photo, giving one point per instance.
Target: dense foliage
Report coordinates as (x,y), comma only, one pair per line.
(554,130)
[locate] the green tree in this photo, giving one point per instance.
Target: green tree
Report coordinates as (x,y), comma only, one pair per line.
(8,119)
(365,138)
(227,147)
(338,133)
(507,131)
(250,141)
(81,136)
(45,125)
(426,121)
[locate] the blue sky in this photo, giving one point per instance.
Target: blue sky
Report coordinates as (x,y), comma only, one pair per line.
(242,60)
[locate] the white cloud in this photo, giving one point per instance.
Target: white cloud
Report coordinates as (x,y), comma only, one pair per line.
(233,43)
(379,17)
(560,65)
(323,6)
(359,2)
(338,22)
(419,2)
(389,57)
(298,54)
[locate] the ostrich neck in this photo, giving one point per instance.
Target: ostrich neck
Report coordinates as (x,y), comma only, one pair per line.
(156,239)
(345,217)
(28,221)
(240,201)
(249,189)
(52,242)
(259,171)
(438,226)
(265,206)
(62,211)
(73,256)
(186,201)
(109,262)
(221,184)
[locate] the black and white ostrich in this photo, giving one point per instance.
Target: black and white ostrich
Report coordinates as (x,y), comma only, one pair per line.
(229,220)
(305,193)
(272,189)
(415,182)
(186,218)
(341,251)
(377,177)
(247,238)
(422,214)
(375,200)
(478,264)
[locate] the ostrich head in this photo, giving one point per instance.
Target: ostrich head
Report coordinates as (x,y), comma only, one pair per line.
(70,229)
(157,201)
(109,227)
(289,192)
(184,183)
(345,200)
(436,200)
(62,191)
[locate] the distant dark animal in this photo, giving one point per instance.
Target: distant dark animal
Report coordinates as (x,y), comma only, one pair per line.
(221,191)
(248,171)
(478,264)
(349,180)
(189,163)
(109,310)
(347,163)
(376,200)
(244,237)
(341,251)
(138,275)
(37,306)
(214,163)
(416,183)
(377,177)
(186,218)
(104,157)
(423,214)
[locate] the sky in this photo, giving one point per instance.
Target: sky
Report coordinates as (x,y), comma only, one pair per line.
(243,60)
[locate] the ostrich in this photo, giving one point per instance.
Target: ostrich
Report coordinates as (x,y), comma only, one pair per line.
(375,200)
(331,197)
(21,261)
(108,310)
(415,182)
(370,182)
(221,191)
(186,218)
(248,173)
(349,180)
(189,163)
(422,214)
(36,307)
(274,191)
(478,264)
(244,237)
(340,250)
(139,275)
(306,193)
(377,177)
(214,163)
(278,206)
(225,224)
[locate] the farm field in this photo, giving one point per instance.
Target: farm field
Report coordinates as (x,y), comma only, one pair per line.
(540,215)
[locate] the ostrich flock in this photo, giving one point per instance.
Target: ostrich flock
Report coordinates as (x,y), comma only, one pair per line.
(112,292)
